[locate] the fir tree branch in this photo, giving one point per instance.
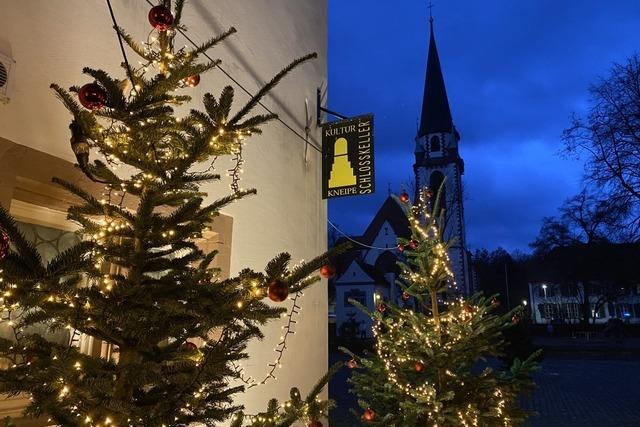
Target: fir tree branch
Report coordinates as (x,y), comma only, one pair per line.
(213,42)
(267,88)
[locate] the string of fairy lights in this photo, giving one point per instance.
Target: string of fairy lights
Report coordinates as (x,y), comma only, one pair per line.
(398,349)
(279,348)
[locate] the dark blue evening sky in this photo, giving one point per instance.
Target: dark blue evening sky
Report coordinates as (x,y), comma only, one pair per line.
(514,71)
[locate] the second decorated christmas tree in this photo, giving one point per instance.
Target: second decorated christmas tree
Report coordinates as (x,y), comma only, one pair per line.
(433,352)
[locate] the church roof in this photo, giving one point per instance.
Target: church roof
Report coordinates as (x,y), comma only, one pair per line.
(391,212)
(374,273)
(436,115)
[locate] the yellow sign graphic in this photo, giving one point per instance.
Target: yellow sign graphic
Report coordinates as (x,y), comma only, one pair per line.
(341,170)
(347,157)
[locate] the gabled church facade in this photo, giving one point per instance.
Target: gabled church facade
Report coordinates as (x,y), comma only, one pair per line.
(367,274)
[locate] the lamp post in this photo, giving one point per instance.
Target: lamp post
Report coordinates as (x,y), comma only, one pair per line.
(546,304)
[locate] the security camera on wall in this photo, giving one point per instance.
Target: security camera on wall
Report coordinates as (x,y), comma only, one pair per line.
(7,69)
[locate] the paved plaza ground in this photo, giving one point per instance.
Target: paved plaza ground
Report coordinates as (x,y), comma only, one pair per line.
(574,389)
(586,392)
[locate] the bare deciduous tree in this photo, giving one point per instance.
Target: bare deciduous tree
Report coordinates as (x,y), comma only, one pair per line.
(577,245)
(608,137)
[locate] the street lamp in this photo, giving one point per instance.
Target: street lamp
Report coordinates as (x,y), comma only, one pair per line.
(547,309)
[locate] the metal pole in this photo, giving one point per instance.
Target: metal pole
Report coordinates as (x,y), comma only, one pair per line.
(320,109)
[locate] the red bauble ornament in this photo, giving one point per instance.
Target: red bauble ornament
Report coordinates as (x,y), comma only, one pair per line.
(404,197)
(369,414)
(419,366)
(327,271)
(400,247)
(160,18)
(381,308)
(495,302)
(314,424)
(189,346)
(413,244)
(192,81)
(515,319)
(428,194)
(468,309)
(352,364)
(92,96)
(29,358)
(4,244)
(278,291)
(406,296)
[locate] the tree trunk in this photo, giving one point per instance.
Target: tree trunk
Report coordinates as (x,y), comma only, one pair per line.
(124,387)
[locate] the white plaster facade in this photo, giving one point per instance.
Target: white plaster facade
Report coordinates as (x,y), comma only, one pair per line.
(369,274)
(552,303)
(356,284)
(51,41)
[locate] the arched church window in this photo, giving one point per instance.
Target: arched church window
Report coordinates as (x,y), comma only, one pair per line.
(434,144)
(435,182)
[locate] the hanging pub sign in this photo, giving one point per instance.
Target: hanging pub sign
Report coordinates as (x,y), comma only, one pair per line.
(347,157)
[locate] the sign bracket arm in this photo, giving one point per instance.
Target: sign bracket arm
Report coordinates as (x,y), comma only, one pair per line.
(321,109)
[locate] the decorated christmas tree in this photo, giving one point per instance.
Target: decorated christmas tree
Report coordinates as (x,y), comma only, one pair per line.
(138,281)
(433,356)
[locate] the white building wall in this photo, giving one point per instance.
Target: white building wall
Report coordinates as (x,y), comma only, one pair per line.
(346,311)
(52,41)
(354,278)
(382,240)
(626,307)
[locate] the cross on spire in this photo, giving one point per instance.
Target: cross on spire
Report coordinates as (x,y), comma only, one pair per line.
(430,7)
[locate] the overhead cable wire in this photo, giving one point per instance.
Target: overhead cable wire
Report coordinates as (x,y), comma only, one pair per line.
(355,241)
(245,90)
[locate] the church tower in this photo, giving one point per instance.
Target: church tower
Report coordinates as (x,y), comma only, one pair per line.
(438,160)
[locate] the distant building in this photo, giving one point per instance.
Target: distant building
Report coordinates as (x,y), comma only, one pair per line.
(554,303)
(366,274)
(369,271)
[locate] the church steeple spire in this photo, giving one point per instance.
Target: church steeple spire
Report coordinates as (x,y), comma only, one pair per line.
(436,115)
(438,163)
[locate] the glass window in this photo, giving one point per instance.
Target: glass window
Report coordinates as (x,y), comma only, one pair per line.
(626,311)
(612,309)
(434,144)
(436,184)
(573,311)
(49,242)
(547,310)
